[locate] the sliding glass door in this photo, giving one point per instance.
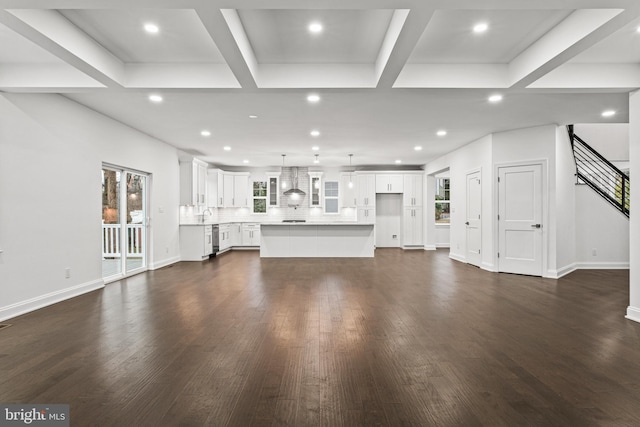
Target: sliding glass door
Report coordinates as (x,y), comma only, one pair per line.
(124,222)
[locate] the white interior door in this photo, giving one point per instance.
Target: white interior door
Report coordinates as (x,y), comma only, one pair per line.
(520,219)
(473,221)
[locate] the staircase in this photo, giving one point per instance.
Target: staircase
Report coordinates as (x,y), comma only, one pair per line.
(601,175)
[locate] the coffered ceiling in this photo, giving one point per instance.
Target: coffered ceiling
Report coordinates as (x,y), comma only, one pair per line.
(389,74)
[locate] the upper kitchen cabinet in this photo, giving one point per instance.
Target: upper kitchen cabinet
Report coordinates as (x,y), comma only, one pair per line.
(348,194)
(315,189)
(233,190)
(413,190)
(273,187)
(389,183)
(366,189)
(193,183)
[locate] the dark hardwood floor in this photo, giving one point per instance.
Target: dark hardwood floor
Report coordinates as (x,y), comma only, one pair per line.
(405,338)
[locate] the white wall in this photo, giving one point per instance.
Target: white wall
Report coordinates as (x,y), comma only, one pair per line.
(565,206)
(474,156)
(609,139)
(604,230)
(633,311)
(51,154)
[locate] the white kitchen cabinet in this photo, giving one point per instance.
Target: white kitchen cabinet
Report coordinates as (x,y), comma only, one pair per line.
(235,190)
(215,188)
(367,215)
(348,194)
(412,226)
(225,237)
(273,189)
(366,189)
(389,183)
(236,234)
(413,190)
(193,183)
(251,235)
(196,242)
(315,189)
(241,191)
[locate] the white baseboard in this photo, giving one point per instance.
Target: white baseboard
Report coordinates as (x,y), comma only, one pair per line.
(488,267)
(602,265)
(563,271)
(164,263)
(457,257)
(33,304)
(633,313)
(429,247)
(443,245)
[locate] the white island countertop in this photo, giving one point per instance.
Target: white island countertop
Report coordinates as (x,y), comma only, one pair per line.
(316,239)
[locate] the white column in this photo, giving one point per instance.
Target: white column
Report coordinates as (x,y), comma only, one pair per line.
(429,213)
(633,311)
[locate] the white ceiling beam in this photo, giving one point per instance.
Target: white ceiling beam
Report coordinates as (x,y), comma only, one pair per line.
(52,32)
(450,76)
(402,36)
(579,31)
(316,76)
(591,76)
(227,33)
(26,78)
(180,76)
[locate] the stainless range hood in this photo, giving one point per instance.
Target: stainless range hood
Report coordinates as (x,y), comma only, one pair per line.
(294,184)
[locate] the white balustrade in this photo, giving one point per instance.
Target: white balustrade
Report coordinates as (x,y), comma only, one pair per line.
(111,247)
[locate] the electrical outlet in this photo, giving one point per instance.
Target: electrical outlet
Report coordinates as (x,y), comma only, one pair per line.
(594,252)
(394,236)
(67,273)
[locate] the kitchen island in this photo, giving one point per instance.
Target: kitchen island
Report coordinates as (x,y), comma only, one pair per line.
(313,239)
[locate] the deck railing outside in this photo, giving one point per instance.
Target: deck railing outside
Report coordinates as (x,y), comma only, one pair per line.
(111,245)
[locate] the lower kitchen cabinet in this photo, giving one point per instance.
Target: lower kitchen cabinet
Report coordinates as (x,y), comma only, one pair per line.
(196,242)
(225,237)
(236,234)
(367,215)
(412,227)
(251,235)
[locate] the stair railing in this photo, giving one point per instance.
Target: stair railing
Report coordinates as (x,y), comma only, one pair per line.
(600,174)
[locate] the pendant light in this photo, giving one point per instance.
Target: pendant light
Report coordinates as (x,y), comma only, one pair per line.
(284,183)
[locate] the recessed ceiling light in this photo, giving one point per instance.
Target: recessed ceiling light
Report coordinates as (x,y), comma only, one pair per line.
(314,97)
(151,28)
(315,148)
(314,133)
(253,117)
(155,98)
(480,27)
(398,161)
(608,113)
(495,98)
(441,133)
(245,161)
(315,27)
(226,148)
(417,148)
(205,133)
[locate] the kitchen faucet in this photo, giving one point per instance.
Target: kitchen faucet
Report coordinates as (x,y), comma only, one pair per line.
(206,210)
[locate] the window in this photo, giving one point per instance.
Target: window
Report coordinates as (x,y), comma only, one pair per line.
(442,201)
(259,196)
(331,197)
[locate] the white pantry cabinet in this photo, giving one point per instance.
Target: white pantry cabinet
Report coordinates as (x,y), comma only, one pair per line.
(413,190)
(366,189)
(412,227)
(366,215)
(389,183)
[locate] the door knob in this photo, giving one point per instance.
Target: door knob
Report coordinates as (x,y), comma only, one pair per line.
(466,223)
(536,225)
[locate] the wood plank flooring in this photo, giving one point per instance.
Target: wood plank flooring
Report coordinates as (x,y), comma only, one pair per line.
(404,339)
